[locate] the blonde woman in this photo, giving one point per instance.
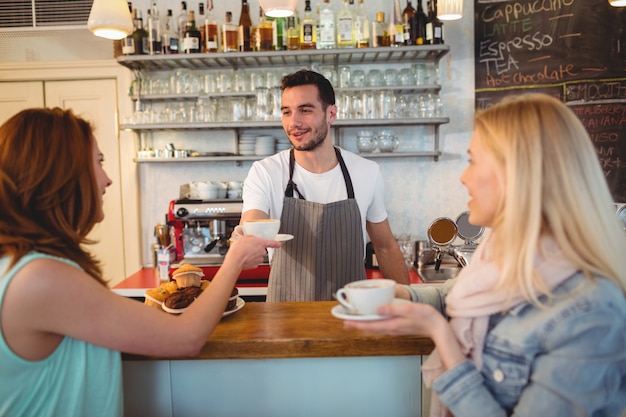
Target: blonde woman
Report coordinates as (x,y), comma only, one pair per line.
(537,321)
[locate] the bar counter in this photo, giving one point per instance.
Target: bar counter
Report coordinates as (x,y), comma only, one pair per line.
(262,330)
(282,359)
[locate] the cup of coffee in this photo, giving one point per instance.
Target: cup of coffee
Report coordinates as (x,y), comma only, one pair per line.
(265,228)
(365,296)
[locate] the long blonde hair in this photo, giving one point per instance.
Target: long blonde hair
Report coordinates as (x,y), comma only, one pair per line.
(554,187)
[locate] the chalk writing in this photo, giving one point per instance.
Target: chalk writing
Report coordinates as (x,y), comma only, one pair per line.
(574,50)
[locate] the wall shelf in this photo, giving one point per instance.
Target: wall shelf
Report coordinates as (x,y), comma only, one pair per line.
(391,56)
(306,58)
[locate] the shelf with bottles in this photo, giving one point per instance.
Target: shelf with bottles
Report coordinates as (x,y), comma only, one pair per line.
(298,58)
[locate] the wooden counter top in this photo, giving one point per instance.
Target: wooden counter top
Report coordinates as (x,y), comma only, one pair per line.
(263,330)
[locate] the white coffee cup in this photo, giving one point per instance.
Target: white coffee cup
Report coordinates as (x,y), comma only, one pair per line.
(365,296)
(265,228)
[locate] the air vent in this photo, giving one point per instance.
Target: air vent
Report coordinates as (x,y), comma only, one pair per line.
(44,13)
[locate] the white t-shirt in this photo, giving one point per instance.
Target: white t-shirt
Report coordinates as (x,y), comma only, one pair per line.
(264,187)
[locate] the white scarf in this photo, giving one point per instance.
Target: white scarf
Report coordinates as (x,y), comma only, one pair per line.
(471,301)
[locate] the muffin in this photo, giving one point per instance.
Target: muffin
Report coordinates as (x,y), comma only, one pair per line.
(177,302)
(188,276)
(154,297)
(232,301)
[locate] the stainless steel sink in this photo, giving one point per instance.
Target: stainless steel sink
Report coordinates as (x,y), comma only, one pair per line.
(445,272)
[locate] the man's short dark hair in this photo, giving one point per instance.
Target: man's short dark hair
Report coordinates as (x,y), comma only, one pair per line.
(307,77)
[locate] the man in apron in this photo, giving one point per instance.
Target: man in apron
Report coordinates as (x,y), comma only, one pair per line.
(326,198)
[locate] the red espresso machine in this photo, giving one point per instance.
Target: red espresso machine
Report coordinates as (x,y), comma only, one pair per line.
(201,231)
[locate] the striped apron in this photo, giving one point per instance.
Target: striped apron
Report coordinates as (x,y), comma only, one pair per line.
(327,250)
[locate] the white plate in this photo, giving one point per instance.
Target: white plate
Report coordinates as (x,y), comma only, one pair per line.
(238,306)
(283,237)
(342,313)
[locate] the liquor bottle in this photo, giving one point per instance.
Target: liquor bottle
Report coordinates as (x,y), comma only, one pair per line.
(200,25)
(434,26)
(118,44)
(229,34)
(154,30)
(362,27)
(293,35)
(211,32)
(420,24)
(245,26)
(378,30)
(327,34)
(396,27)
(170,36)
(308,30)
(345,27)
(192,39)
(279,32)
(128,43)
(410,24)
(181,21)
(140,37)
(264,38)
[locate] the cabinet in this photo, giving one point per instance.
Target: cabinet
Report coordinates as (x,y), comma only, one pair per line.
(335,60)
(94,99)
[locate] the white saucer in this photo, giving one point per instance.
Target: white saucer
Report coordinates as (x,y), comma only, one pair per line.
(342,313)
(283,237)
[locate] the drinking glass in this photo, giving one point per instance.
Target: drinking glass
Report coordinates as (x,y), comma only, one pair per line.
(407,248)
(329,72)
(225,82)
(262,103)
(356,106)
(344,77)
(419,72)
(391,77)
(370,105)
(385,104)
(357,78)
(238,108)
(374,78)
(343,105)
(209,81)
(274,111)
(242,81)
(406,77)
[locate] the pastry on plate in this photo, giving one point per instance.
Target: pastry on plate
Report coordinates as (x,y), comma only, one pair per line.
(187,276)
(177,302)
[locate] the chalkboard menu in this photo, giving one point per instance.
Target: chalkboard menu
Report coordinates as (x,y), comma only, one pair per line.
(574,50)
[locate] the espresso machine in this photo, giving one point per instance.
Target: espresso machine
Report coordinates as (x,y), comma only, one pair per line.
(201,228)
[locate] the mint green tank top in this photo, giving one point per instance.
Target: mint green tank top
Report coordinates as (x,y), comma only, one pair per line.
(77,379)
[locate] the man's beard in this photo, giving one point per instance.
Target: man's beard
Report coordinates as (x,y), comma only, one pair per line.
(316,141)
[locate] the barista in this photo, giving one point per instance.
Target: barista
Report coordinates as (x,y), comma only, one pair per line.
(326,197)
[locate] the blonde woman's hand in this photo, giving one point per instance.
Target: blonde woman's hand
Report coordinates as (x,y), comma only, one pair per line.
(403,319)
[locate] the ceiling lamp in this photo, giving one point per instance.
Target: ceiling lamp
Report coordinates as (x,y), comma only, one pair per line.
(617,3)
(278,8)
(451,9)
(110,19)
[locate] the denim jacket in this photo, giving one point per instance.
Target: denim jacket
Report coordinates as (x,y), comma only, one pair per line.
(568,359)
